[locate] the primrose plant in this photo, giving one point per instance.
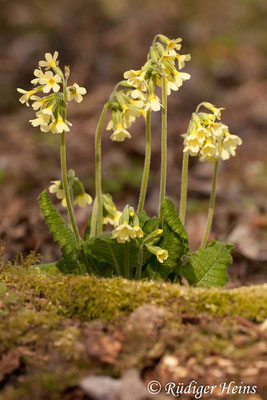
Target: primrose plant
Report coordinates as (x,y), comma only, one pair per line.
(137,246)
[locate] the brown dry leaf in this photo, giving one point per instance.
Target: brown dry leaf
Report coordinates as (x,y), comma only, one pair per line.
(9,363)
(247,242)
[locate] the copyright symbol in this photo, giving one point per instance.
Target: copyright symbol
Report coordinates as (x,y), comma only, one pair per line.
(153,387)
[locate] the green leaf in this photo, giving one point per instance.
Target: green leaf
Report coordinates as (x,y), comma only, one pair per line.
(174,239)
(47,269)
(175,246)
(208,267)
(151,225)
(102,249)
(88,228)
(143,218)
(62,234)
(172,219)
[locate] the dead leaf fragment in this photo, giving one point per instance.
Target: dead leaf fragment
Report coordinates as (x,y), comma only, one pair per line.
(9,363)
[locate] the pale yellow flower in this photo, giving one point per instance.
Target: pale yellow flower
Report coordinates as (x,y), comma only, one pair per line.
(42,119)
(112,220)
(48,110)
(229,146)
(50,60)
(55,187)
(129,114)
(136,79)
(50,81)
(131,74)
(64,202)
(218,130)
(138,231)
(120,134)
(59,126)
(83,199)
(137,103)
(180,77)
(76,93)
(216,111)
(124,233)
(174,44)
(168,56)
(160,253)
(110,125)
(209,152)
(192,144)
(182,58)
(137,94)
(153,103)
(39,74)
(26,95)
(171,86)
(60,195)
(38,102)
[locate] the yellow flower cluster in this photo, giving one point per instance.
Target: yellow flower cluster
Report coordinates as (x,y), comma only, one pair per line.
(128,227)
(52,82)
(140,85)
(78,195)
(209,138)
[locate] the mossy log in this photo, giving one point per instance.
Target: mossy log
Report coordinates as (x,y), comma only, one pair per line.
(56,329)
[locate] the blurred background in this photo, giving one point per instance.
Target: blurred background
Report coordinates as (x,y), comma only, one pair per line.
(100,39)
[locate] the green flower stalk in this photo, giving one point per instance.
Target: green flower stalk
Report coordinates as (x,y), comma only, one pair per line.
(98,180)
(146,164)
(183,198)
(126,261)
(163,171)
(211,206)
(93,219)
(64,169)
(66,186)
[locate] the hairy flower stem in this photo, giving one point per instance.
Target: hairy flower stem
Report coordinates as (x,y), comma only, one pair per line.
(66,186)
(146,164)
(68,196)
(98,182)
(93,220)
(126,261)
(184,188)
(138,271)
(211,206)
(163,149)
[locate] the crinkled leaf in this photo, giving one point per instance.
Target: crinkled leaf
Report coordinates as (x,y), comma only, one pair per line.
(208,267)
(174,239)
(143,218)
(172,219)
(108,251)
(151,225)
(176,249)
(61,232)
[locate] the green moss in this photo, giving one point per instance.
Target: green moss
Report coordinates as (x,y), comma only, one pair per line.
(90,297)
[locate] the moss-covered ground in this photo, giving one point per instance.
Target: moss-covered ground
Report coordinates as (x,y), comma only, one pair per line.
(56,329)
